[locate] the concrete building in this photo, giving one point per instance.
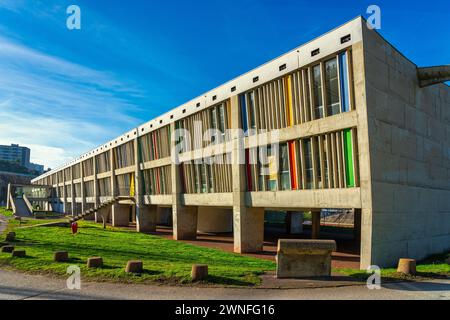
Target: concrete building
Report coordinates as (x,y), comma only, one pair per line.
(359,127)
(20,155)
(15,153)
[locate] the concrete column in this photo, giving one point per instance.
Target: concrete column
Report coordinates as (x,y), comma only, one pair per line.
(120,215)
(357,225)
(83,194)
(184,218)
(146,218)
(113,177)
(72,193)
(185,222)
(315,230)
(248,229)
(215,220)
(103,213)
(8,197)
(96,198)
(295,222)
(248,223)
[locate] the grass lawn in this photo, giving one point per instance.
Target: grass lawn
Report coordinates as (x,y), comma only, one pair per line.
(164,260)
(6,213)
(436,266)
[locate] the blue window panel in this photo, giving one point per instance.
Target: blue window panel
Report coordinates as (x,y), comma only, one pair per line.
(343,74)
(244,112)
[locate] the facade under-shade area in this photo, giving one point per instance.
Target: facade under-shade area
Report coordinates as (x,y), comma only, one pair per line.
(356,132)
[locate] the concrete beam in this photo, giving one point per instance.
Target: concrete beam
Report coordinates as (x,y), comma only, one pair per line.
(433,75)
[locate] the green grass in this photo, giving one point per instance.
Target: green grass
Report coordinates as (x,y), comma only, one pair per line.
(435,266)
(164,260)
(6,213)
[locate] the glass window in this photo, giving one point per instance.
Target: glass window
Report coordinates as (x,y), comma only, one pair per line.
(284,167)
(243,104)
(222,126)
(343,74)
(252,109)
(308,163)
(317,89)
(272,182)
(213,115)
(203,178)
(332,87)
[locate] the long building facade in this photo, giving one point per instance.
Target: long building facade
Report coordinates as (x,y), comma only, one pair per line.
(339,122)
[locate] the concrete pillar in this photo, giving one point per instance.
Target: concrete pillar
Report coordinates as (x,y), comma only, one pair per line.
(357,225)
(315,230)
(294,222)
(8,197)
(248,223)
(184,218)
(120,215)
(72,193)
(113,177)
(248,229)
(103,213)
(146,218)
(83,193)
(214,220)
(184,222)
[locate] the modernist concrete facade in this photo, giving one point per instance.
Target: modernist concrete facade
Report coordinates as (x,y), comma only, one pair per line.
(356,131)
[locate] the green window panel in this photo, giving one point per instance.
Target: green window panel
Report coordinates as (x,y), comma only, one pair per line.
(348,154)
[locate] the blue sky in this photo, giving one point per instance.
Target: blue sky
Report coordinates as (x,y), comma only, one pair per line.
(64,92)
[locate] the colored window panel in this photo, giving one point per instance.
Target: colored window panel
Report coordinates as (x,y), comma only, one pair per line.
(332,87)
(293,165)
(284,167)
(343,74)
(348,155)
(244,112)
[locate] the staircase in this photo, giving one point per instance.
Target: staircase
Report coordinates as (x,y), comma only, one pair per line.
(101,206)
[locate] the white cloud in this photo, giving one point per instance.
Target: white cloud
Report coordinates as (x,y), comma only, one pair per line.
(59,108)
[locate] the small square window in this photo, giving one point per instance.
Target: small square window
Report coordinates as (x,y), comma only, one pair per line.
(233,89)
(346,38)
(315,52)
(255,79)
(282,67)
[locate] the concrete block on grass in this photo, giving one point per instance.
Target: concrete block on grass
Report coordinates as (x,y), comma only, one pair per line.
(134,266)
(7,249)
(94,262)
(61,256)
(19,253)
(199,272)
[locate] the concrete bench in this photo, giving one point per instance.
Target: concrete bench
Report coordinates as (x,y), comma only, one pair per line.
(304,258)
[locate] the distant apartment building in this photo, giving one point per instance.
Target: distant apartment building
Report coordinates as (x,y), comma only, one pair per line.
(358,126)
(20,155)
(15,153)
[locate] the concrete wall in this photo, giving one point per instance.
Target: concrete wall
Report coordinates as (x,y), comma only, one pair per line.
(409,147)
